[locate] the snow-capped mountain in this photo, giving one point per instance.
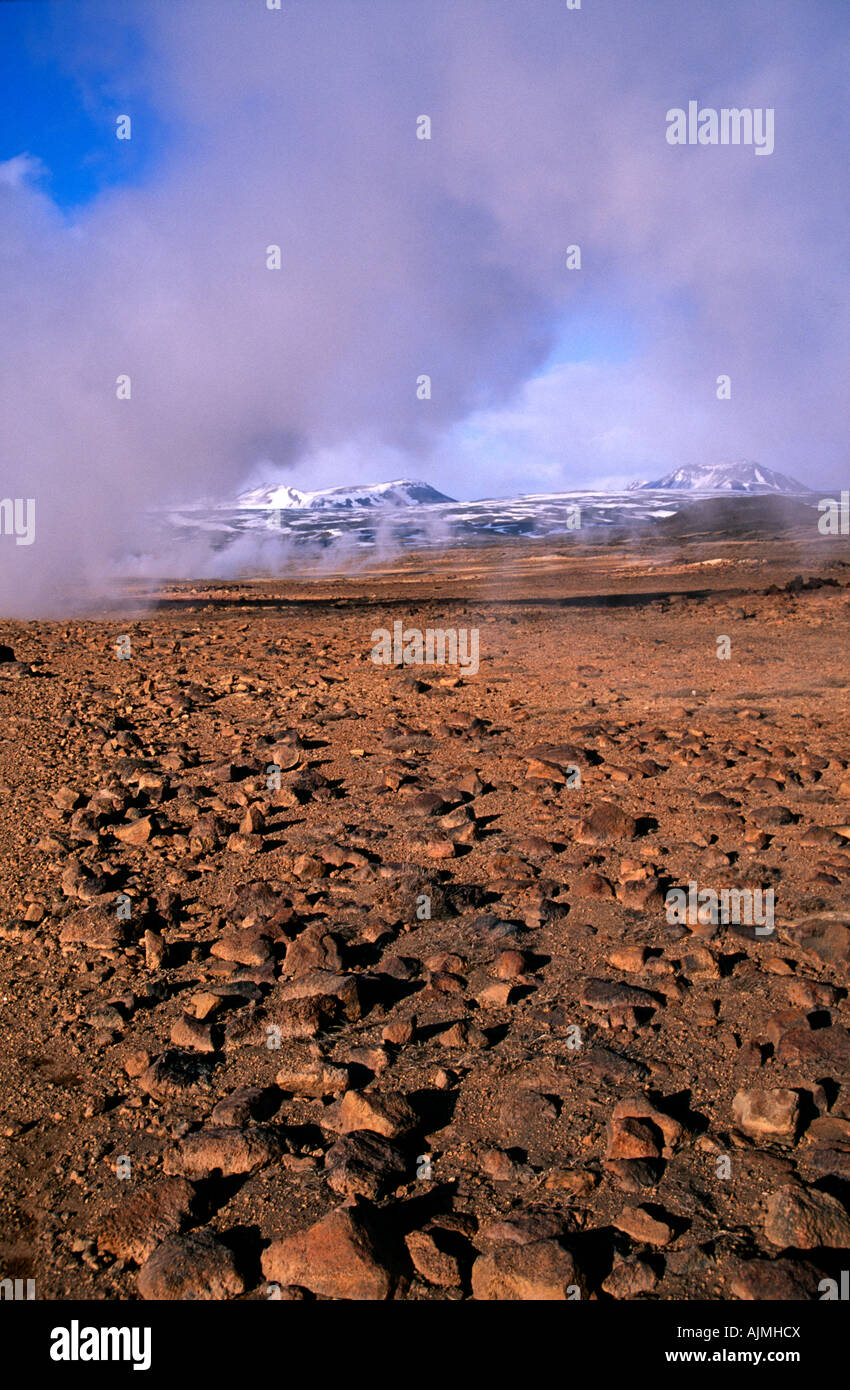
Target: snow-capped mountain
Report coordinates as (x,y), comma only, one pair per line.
(740,476)
(404,492)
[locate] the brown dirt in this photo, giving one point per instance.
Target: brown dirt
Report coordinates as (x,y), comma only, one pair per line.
(510,1093)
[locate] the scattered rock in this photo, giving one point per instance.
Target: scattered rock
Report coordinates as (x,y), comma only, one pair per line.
(434,1264)
(607,822)
(365,1164)
(340,1256)
(806,1219)
(387,1113)
(225,1151)
(773,1114)
(95,927)
(629,1278)
(642,1226)
(134,1229)
(760,1281)
(190,1268)
(542,1271)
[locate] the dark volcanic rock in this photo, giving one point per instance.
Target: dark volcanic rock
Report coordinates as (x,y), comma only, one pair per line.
(365,1164)
(173,1073)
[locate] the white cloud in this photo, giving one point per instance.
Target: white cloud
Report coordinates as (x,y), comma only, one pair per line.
(402,257)
(21,169)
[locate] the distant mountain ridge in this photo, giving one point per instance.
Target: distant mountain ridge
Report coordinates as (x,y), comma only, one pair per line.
(413,515)
(742,476)
(403,492)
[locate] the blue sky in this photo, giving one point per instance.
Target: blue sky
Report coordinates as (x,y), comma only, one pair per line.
(63,114)
(61,106)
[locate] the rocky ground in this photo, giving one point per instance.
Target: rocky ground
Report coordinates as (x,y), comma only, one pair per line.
(321,978)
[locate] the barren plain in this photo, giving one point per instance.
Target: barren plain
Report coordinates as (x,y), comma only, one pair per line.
(322,978)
